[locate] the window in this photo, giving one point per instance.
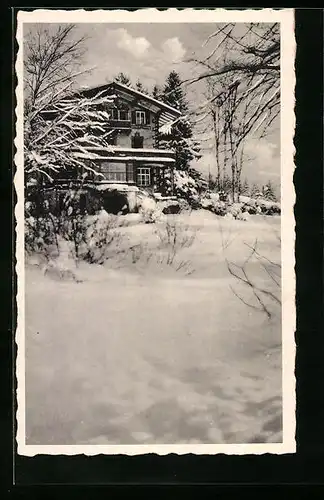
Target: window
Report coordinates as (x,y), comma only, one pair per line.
(130,172)
(140,118)
(137,141)
(115,172)
(114,114)
(143,176)
(123,115)
(119,114)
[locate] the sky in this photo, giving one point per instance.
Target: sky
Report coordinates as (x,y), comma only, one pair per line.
(148,52)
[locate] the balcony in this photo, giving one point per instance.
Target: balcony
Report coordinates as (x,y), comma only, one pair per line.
(119,154)
(125,124)
(144,153)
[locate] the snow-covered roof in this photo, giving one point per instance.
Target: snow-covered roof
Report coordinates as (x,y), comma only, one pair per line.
(121,149)
(160,104)
(143,159)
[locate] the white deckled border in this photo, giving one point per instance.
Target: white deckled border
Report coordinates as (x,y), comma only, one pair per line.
(286,18)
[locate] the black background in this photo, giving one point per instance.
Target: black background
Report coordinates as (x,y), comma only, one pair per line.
(22,476)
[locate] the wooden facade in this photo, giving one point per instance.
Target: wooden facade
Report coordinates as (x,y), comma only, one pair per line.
(134,123)
(133,161)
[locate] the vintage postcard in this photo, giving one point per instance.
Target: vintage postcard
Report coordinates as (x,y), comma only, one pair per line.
(155,232)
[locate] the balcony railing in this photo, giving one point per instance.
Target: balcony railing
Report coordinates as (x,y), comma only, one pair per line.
(120,154)
(119,123)
(144,152)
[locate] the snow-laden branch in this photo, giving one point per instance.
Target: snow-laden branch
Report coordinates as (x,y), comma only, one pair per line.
(77,123)
(166,128)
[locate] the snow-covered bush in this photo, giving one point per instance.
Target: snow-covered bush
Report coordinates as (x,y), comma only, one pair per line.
(207,203)
(73,228)
(37,235)
(151,215)
(159,260)
(148,209)
(185,187)
(93,238)
(81,236)
(174,236)
(211,202)
(253,206)
(243,216)
(247,200)
(101,233)
(249,205)
(268,207)
(145,202)
(214,197)
(169,206)
(184,205)
(219,208)
(240,210)
(235,209)
(41,233)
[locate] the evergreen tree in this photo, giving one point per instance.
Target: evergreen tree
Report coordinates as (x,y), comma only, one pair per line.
(123,78)
(269,192)
(156,92)
(140,87)
(179,135)
(255,190)
(173,94)
(245,188)
(227,184)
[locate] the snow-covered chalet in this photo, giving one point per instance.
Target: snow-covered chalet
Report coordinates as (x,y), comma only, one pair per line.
(135,162)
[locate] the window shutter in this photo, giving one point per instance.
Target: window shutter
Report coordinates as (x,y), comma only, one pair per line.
(147,117)
(133,117)
(130,172)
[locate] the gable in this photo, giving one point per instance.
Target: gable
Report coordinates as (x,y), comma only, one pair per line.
(134,98)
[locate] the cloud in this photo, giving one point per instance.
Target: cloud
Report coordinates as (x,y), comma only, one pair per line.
(114,49)
(137,46)
(173,50)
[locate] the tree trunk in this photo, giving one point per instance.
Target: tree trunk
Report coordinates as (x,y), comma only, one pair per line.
(233,183)
(218,179)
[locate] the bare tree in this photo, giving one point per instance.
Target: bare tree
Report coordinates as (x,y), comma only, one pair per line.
(250,55)
(242,72)
(62,128)
(209,126)
(52,59)
(64,133)
(225,124)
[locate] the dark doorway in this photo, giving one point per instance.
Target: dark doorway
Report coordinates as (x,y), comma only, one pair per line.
(137,141)
(115,203)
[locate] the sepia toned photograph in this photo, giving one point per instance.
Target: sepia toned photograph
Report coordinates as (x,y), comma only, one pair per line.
(155,232)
